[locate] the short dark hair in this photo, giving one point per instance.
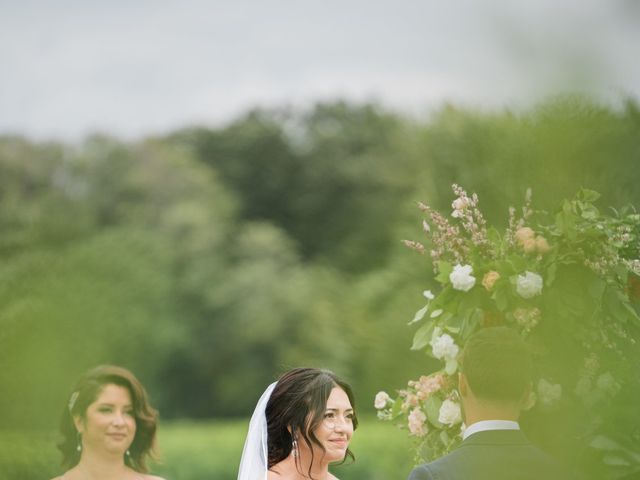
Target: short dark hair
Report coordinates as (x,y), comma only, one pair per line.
(86,391)
(297,406)
(497,364)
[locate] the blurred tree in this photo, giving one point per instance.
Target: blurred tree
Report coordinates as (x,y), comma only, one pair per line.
(558,147)
(324,176)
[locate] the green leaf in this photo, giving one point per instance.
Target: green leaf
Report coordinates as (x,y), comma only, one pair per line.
(471,323)
(551,274)
(419,314)
(494,235)
(589,212)
(566,220)
(587,195)
(444,269)
(432,407)
(615,460)
(396,410)
(518,264)
(601,442)
(455,328)
(501,297)
(422,337)
(618,306)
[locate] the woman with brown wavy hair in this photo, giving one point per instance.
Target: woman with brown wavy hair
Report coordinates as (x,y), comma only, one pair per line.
(302,423)
(108,427)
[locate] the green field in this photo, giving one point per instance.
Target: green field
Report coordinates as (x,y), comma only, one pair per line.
(211,450)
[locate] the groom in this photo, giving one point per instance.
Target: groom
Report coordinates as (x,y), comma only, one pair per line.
(494,384)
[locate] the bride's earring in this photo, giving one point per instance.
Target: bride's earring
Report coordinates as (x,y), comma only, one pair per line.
(79,442)
(294,448)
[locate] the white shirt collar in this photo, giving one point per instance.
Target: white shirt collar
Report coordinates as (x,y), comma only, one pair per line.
(484,425)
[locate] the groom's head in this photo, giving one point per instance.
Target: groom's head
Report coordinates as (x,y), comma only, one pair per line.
(496,367)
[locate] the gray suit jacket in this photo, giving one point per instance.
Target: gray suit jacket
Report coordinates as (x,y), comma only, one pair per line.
(493,455)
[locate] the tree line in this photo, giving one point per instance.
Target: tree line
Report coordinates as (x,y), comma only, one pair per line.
(208,260)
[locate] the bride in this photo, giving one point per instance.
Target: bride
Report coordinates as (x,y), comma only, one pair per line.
(301,424)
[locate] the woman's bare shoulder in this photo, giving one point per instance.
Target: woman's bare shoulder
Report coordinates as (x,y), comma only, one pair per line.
(68,475)
(152,477)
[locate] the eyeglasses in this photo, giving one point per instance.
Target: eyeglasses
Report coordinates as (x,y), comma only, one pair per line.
(331,420)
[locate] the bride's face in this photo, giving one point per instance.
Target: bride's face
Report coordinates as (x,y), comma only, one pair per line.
(336,428)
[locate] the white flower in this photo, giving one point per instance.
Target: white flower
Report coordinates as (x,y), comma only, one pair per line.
(461,278)
(548,393)
(458,205)
(444,348)
(417,420)
(428,295)
(529,285)
(450,413)
(382,398)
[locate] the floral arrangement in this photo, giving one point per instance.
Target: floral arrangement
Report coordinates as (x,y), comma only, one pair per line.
(568,282)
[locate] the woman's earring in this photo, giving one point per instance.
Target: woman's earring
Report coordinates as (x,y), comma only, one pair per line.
(79,447)
(294,448)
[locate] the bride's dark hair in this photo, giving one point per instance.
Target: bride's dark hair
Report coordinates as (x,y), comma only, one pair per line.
(297,406)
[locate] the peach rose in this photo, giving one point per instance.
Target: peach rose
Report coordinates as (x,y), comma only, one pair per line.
(524,233)
(489,279)
(529,245)
(542,245)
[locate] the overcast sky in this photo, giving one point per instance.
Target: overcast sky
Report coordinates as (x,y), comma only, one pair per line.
(131,68)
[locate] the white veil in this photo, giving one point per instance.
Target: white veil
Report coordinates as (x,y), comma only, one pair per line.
(253,465)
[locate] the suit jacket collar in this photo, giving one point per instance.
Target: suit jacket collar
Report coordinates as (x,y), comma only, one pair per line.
(496,437)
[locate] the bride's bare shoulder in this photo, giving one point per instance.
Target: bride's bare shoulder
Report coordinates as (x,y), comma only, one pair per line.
(152,477)
(276,474)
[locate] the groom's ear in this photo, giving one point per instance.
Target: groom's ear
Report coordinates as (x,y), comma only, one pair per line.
(463,386)
(526,397)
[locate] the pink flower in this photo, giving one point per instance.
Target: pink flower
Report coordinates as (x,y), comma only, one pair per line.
(381,400)
(417,425)
(425,386)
